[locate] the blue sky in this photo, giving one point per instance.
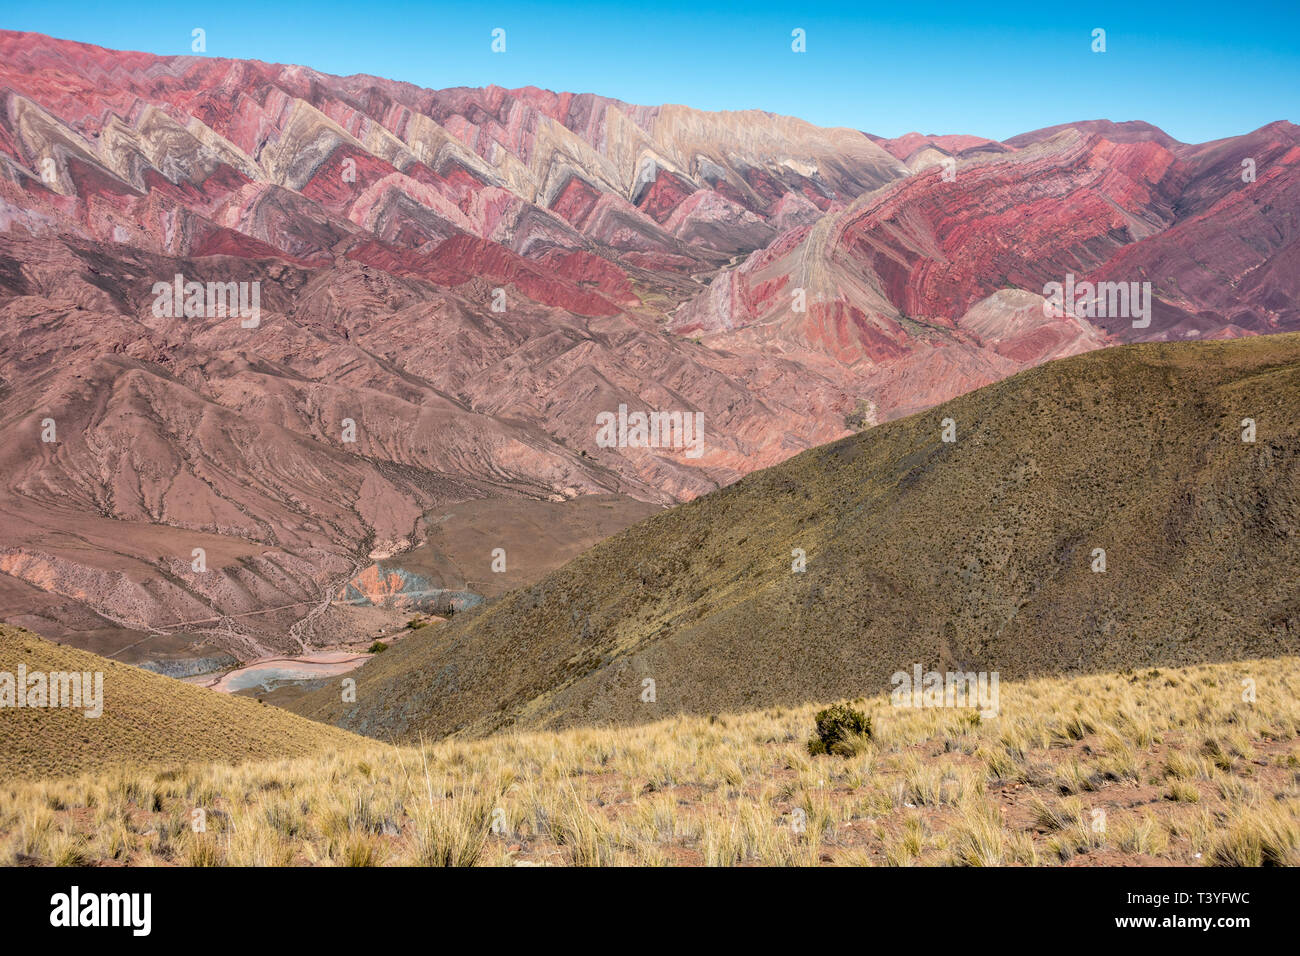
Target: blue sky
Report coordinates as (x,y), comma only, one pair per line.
(1200,72)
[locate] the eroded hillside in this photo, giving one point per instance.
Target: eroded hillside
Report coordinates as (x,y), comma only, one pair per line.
(977,553)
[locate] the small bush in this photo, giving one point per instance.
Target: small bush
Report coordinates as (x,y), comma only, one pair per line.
(377,648)
(841,730)
(414,624)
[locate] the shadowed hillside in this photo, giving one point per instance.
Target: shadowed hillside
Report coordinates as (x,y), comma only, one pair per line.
(975,554)
(146,720)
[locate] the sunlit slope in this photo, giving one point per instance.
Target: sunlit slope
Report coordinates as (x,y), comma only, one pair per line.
(146,720)
(1172,766)
(978,554)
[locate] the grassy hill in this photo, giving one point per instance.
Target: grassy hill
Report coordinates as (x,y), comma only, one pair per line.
(1173,766)
(975,554)
(146,720)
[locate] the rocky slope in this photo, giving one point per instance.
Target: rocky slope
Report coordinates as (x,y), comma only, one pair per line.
(1100,512)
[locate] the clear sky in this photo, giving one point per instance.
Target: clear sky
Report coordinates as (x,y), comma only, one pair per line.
(1198,70)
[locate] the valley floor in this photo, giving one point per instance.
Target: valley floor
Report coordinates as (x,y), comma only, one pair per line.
(1160,766)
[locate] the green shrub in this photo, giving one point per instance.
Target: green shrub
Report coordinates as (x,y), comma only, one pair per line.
(841,730)
(377,648)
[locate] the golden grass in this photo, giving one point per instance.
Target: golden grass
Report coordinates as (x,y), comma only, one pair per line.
(147,719)
(931,787)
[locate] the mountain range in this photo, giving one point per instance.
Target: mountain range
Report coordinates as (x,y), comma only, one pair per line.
(453,285)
